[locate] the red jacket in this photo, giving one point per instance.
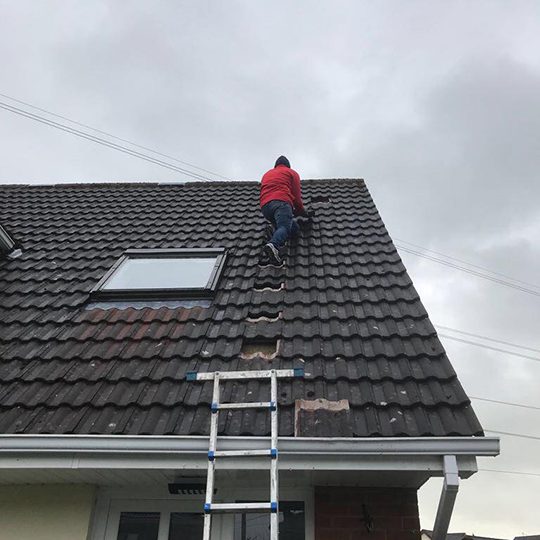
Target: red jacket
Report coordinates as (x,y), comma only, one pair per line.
(282,184)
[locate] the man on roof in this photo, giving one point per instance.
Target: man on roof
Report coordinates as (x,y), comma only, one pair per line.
(281,199)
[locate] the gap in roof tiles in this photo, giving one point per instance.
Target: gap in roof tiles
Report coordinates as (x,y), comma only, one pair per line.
(259,348)
(264,316)
(308,414)
(156,304)
(268,286)
(320,200)
(270,265)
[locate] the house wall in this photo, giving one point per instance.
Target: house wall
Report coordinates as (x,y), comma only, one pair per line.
(339,513)
(45,512)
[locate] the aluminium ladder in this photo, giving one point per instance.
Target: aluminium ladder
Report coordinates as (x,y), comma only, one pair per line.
(273,505)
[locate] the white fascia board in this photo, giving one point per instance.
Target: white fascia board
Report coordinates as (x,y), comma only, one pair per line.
(296,453)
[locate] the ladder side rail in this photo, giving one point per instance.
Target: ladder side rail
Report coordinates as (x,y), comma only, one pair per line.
(207,529)
(274,485)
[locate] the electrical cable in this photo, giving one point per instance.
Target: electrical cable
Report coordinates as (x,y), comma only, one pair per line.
(469,271)
(115,137)
(504,403)
(488,347)
(101,141)
(467,263)
(510,472)
(487,338)
(509,434)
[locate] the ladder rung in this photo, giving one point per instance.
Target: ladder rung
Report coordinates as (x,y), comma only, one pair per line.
(254,374)
(241,507)
(254,405)
(272,452)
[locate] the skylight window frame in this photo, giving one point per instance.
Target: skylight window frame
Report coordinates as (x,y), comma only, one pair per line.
(7,244)
(207,291)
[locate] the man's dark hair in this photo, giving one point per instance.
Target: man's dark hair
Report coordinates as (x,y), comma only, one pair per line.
(282,160)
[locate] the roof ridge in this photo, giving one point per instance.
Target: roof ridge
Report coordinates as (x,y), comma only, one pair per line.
(123,185)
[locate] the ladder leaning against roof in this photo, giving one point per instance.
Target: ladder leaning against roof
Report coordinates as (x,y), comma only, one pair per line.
(271,506)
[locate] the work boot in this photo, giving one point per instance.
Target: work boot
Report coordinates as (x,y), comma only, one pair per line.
(272,254)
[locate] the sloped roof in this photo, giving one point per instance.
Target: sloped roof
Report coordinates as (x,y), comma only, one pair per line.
(350,316)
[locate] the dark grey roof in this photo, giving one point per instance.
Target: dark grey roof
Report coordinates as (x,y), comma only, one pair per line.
(350,316)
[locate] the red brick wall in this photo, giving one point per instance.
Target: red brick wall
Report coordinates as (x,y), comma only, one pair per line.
(339,513)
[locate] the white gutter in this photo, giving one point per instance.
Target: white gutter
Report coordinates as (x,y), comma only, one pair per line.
(296,453)
(305,446)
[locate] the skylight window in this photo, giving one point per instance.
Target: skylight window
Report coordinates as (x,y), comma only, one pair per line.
(163,273)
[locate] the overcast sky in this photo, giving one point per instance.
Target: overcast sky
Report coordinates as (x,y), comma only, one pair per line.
(435,104)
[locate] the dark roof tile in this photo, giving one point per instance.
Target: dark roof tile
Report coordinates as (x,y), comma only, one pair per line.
(348,312)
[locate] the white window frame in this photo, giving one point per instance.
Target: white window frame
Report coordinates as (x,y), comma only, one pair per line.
(110,503)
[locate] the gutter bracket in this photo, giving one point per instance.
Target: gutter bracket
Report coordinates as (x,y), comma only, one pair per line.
(448,498)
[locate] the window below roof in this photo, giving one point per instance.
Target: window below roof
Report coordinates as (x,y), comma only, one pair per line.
(150,514)
(162,273)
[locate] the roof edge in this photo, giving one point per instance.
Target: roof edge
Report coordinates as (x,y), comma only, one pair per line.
(90,185)
(424,458)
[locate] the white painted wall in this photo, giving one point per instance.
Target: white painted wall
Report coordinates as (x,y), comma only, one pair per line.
(46,512)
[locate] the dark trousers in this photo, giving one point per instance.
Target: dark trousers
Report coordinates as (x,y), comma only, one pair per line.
(280,214)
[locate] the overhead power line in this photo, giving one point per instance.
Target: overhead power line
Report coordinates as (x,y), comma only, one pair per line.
(467,263)
(114,137)
(509,434)
(101,141)
(476,273)
(498,402)
(510,472)
(193,166)
(490,348)
(532,349)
